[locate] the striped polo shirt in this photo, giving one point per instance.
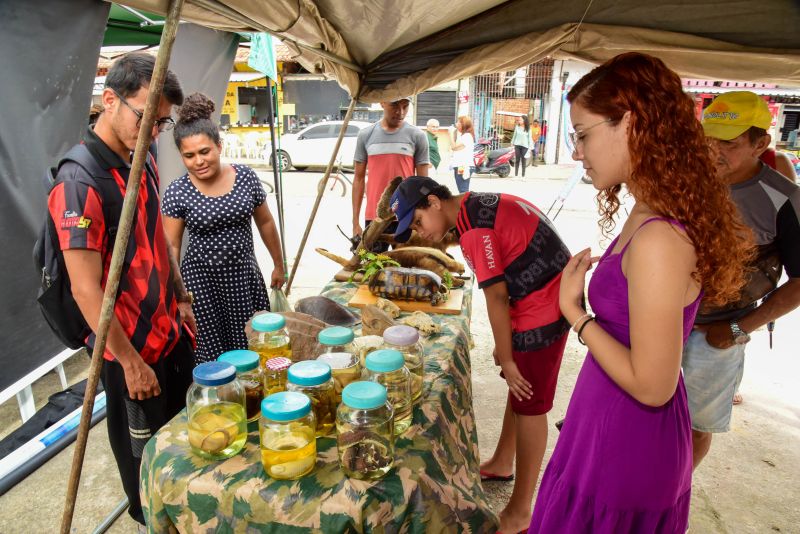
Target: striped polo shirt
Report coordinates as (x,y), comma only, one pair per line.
(146,307)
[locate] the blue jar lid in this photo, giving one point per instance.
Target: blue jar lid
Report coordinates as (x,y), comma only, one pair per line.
(385,360)
(364,395)
(285,406)
(309,373)
(214,373)
(243,360)
(268,322)
(336,335)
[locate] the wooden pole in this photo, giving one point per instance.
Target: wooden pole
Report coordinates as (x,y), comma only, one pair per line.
(118,255)
(321,190)
(276,173)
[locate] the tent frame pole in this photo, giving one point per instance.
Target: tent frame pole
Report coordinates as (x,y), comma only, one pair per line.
(278,176)
(321,188)
(118,255)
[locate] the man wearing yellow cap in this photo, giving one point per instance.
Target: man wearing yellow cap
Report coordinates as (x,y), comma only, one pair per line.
(736,125)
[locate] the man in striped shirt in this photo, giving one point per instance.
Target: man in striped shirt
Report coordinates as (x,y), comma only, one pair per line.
(147,362)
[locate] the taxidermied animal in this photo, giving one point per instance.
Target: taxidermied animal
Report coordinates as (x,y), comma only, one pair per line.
(326,310)
(374,320)
(389,307)
(412,257)
(408,284)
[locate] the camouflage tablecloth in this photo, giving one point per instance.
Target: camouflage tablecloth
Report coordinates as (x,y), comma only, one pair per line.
(434,486)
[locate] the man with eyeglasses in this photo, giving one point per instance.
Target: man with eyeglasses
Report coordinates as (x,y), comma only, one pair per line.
(149,356)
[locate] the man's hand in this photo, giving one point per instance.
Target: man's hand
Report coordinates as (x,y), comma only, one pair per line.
(278,278)
(518,386)
(357,230)
(141,380)
(187,316)
(718,334)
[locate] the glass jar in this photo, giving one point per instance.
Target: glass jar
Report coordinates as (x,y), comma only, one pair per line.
(314,379)
(335,348)
(215,411)
(365,431)
(275,375)
(406,339)
(387,367)
(270,338)
(249,375)
(288,443)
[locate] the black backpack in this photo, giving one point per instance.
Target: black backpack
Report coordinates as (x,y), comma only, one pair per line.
(55,293)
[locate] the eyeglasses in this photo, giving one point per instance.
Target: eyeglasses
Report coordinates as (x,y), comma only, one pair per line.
(163,124)
(577,135)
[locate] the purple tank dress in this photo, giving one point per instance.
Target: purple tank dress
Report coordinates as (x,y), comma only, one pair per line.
(619,466)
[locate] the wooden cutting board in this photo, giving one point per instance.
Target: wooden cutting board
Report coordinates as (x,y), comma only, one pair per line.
(451,306)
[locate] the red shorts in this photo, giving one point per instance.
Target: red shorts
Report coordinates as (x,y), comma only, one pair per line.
(540,368)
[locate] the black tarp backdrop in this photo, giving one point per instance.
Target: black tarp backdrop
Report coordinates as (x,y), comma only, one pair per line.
(202,59)
(45,93)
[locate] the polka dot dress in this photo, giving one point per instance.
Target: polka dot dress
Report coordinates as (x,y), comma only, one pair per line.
(220,266)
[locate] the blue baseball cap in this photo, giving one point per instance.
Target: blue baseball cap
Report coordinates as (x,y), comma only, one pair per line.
(405,200)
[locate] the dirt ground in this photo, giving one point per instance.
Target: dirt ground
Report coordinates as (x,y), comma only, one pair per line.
(748,483)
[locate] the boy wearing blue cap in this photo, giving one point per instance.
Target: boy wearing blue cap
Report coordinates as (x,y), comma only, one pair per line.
(517,257)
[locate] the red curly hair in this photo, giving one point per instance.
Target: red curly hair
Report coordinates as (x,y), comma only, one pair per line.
(672,169)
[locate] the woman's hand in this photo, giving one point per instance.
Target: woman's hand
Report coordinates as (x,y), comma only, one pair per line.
(573,281)
(278,278)
(517,385)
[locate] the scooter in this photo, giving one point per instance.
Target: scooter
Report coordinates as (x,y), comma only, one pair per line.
(488,161)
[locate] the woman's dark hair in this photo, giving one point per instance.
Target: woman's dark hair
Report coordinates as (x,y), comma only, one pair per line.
(194,118)
(526,123)
(133,71)
(440,191)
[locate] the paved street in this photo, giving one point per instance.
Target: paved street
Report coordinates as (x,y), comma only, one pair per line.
(747,484)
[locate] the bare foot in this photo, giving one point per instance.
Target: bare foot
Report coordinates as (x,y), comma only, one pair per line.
(493,468)
(737,398)
(513,521)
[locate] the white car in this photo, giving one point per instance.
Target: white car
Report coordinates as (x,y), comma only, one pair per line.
(313,145)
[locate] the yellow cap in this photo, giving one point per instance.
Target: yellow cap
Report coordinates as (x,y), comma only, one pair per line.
(731,114)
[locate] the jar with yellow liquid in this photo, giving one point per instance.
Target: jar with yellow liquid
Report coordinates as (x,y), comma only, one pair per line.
(287,434)
(406,339)
(335,348)
(387,367)
(364,431)
(275,375)
(314,379)
(248,373)
(215,410)
(269,338)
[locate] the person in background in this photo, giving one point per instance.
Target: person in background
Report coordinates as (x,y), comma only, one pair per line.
(463,147)
(623,460)
(431,129)
(388,148)
(216,203)
(517,257)
(736,125)
(147,364)
(522,142)
(536,134)
(542,140)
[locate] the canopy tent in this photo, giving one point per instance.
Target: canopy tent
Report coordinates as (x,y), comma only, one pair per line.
(403,48)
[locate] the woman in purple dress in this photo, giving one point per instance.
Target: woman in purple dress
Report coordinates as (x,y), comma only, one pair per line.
(623,461)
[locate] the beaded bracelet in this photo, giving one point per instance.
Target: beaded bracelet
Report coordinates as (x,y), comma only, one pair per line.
(580,330)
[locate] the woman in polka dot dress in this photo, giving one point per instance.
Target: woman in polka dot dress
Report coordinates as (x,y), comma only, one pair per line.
(215,202)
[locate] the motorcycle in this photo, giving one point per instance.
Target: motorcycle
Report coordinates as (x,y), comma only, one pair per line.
(487,161)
